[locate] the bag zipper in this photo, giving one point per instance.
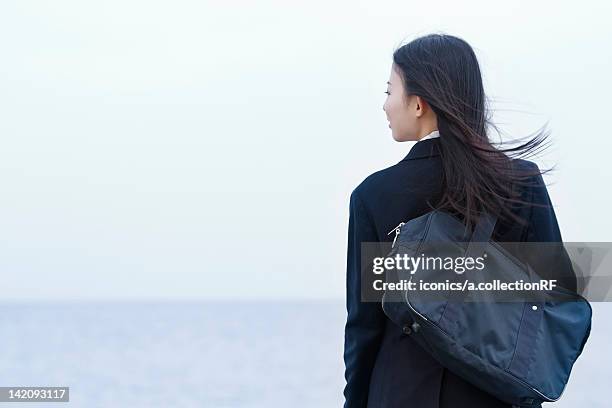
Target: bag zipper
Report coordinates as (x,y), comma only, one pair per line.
(397,232)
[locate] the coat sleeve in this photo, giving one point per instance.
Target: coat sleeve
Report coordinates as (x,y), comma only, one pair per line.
(551,260)
(365,320)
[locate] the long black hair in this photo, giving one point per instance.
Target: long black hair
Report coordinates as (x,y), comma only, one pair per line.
(478,176)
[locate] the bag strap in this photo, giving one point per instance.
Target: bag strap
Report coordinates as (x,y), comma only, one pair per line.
(481,235)
(476,247)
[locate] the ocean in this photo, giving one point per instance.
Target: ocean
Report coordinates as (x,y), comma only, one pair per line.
(211,354)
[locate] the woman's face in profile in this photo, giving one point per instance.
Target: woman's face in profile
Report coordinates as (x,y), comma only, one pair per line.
(400,110)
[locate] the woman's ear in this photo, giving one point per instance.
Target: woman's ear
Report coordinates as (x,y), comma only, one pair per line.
(420,106)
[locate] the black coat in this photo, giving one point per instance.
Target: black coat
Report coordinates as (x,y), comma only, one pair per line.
(384,367)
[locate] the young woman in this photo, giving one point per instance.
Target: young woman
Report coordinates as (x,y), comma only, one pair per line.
(435,97)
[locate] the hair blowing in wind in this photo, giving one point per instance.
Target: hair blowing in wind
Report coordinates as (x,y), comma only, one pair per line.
(478,176)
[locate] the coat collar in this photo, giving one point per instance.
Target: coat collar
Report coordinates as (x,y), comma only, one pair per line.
(424,148)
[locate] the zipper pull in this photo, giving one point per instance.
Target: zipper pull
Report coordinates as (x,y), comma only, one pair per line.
(397,232)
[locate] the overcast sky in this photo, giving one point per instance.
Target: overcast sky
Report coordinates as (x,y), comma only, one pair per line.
(200,150)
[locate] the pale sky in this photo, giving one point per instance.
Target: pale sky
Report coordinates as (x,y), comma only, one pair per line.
(205,150)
